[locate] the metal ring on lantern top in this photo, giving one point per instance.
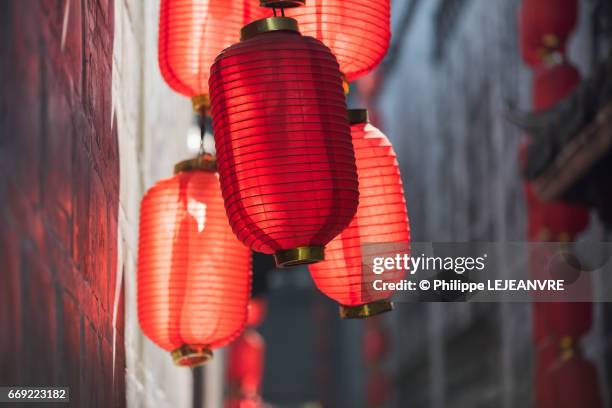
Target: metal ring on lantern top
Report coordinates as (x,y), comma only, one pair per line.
(266,25)
(365,310)
(281,3)
(191,356)
(206,162)
(356,116)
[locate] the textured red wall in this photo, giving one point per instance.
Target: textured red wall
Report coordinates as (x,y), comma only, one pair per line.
(59,176)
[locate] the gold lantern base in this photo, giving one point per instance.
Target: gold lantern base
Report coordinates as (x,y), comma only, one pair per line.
(201,104)
(266,25)
(366,310)
(191,356)
(299,256)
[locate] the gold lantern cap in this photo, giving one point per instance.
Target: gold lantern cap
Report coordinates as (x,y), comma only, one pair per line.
(205,162)
(191,355)
(201,104)
(299,256)
(356,116)
(266,25)
(366,310)
(281,3)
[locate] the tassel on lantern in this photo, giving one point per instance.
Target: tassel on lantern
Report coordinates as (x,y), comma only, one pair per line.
(194,276)
(284,149)
(381,222)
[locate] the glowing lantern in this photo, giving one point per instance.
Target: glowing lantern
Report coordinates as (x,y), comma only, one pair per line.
(193,274)
(357,31)
(285,156)
(381,220)
(191,34)
(544,28)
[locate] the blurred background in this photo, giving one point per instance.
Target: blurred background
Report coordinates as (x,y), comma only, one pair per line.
(87,125)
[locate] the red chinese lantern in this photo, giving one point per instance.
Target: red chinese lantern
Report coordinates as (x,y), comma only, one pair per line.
(191,34)
(283,142)
(381,221)
(357,31)
(193,274)
(544,28)
(246,364)
(576,384)
(258,308)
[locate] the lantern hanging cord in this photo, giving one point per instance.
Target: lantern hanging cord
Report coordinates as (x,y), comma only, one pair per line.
(282,9)
(202,125)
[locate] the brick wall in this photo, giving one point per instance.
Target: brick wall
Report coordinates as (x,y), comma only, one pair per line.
(59,188)
(86,125)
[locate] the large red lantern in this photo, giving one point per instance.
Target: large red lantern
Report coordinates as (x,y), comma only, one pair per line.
(381,220)
(357,31)
(544,28)
(191,34)
(283,142)
(193,274)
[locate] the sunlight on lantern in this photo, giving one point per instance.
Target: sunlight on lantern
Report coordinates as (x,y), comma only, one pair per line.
(197,210)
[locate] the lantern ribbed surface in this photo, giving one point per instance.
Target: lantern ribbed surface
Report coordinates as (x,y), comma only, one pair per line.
(544,28)
(193,32)
(193,274)
(381,219)
(357,31)
(284,149)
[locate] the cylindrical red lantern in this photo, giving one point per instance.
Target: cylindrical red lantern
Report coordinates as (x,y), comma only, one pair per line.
(381,221)
(191,34)
(283,142)
(357,31)
(194,276)
(544,28)
(246,364)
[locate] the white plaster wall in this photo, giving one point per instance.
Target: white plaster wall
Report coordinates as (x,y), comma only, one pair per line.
(152,126)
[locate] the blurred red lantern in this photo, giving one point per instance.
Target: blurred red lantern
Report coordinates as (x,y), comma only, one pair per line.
(283,142)
(378,389)
(258,308)
(576,384)
(381,224)
(246,364)
(357,31)
(375,344)
(193,274)
(191,34)
(544,28)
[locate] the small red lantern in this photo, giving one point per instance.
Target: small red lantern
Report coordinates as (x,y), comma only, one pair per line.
(258,308)
(194,276)
(576,384)
(544,28)
(357,31)
(246,364)
(191,34)
(283,142)
(381,220)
